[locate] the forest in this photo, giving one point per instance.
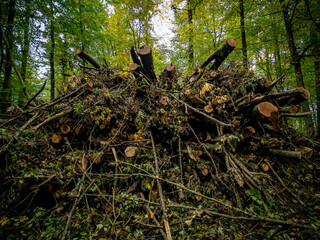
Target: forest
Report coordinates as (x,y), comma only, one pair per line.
(159,119)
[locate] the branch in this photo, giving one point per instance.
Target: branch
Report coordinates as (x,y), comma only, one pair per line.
(83,55)
(41,89)
(203,114)
(165,219)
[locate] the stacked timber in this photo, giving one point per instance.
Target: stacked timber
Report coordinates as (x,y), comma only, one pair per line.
(115,142)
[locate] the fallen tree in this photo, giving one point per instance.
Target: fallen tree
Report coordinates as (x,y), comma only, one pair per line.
(126,155)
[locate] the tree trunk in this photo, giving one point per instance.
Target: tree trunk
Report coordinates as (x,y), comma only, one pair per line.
(190,32)
(296,62)
(1,42)
(52,49)
(25,50)
(317,87)
(243,36)
(6,89)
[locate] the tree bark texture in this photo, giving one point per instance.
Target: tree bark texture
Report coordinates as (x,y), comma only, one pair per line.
(243,35)
(52,50)
(222,53)
(190,32)
(145,54)
(218,56)
(1,42)
(85,56)
(317,86)
(25,50)
(6,91)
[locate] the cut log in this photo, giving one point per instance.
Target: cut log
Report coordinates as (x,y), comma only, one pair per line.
(264,167)
(65,128)
(171,71)
(56,138)
(213,74)
(85,56)
(222,53)
(145,54)
(219,56)
(79,129)
(304,152)
(265,109)
(131,151)
(292,97)
(164,100)
(268,110)
(208,108)
(247,132)
(136,70)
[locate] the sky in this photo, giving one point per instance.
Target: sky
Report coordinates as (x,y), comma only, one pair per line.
(162,24)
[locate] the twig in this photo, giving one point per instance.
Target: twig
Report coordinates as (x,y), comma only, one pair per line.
(274,83)
(5,147)
(41,89)
(52,118)
(165,219)
(204,149)
(202,113)
(282,183)
(148,225)
(71,213)
(55,101)
(154,217)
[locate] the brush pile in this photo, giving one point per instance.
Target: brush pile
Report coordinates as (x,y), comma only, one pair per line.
(127,155)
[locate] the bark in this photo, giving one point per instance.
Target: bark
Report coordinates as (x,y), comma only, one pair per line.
(6,87)
(317,88)
(135,57)
(190,37)
(1,42)
(222,53)
(243,36)
(52,50)
(218,56)
(26,44)
(296,62)
(145,54)
(85,56)
(304,152)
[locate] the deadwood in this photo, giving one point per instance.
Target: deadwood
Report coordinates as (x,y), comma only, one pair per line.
(219,56)
(85,56)
(145,53)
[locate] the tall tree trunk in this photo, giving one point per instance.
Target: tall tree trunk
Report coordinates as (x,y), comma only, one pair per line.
(243,36)
(190,32)
(1,42)
(296,62)
(6,89)
(25,50)
(52,49)
(317,87)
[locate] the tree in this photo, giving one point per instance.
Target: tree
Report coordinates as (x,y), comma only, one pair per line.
(6,90)
(190,32)
(25,47)
(295,56)
(243,35)
(52,51)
